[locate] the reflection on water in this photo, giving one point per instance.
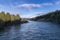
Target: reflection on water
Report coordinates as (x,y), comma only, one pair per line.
(31,31)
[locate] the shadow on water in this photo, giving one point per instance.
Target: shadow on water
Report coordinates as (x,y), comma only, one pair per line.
(7,28)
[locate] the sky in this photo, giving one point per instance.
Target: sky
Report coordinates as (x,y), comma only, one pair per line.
(29,8)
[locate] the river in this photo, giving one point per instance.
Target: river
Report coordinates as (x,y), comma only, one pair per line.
(32,30)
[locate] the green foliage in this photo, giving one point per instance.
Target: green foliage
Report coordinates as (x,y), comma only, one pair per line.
(51,16)
(2,16)
(8,17)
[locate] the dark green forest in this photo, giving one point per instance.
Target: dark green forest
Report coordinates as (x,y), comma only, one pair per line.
(51,16)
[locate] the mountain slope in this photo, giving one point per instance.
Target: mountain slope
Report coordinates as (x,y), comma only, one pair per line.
(51,16)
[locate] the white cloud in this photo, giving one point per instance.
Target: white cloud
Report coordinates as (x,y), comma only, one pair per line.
(37,14)
(33,15)
(57,3)
(40,13)
(34,5)
(1,5)
(30,5)
(47,4)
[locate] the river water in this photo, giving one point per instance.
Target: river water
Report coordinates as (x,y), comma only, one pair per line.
(32,30)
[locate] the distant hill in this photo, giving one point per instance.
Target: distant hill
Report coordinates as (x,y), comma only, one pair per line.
(51,16)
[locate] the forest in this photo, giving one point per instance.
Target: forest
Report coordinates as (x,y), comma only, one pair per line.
(10,19)
(51,16)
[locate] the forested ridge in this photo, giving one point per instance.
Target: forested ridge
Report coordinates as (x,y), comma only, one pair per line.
(51,16)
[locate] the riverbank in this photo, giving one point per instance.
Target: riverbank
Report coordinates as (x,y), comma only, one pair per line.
(10,19)
(10,23)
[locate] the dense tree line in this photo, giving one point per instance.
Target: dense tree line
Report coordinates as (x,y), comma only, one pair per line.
(51,16)
(8,17)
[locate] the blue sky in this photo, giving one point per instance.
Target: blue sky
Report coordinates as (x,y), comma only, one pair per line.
(29,8)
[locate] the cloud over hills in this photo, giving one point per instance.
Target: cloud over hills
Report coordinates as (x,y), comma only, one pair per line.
(34,5)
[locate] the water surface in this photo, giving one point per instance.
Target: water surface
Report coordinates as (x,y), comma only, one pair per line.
(31,31)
